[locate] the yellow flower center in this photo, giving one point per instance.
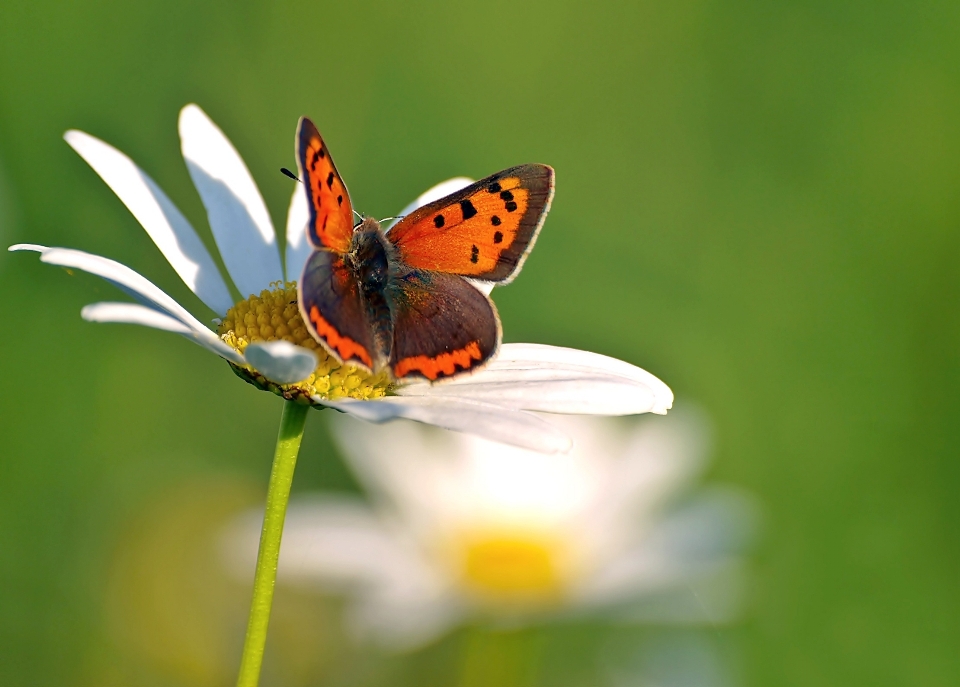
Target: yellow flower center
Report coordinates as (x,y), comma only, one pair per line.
(513,567)
(274,315)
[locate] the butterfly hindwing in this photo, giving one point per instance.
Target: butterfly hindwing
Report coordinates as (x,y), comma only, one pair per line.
(483,231)
(336,312)
(331,214)
(441,326)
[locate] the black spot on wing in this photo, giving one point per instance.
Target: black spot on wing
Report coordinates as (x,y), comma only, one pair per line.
(495,221)
(510,205)
(506,195)
(466,207)
(330,180)
(438,221)
(474,255)
(494,187)
(497,236)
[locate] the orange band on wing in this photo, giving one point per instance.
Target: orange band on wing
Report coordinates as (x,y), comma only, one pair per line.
(345,347)
(445,362)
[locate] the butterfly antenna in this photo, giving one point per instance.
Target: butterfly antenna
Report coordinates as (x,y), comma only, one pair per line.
(388,219)
(359,216)
(288,173)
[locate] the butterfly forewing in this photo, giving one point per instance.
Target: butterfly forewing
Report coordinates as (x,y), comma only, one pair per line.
(484,231)
(331,214)
(441,326)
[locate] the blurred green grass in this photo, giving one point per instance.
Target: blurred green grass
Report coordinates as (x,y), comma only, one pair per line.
(757,202)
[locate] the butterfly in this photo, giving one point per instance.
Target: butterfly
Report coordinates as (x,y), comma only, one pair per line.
(400,298)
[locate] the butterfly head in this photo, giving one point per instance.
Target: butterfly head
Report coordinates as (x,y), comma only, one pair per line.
(366,225)
(370,256)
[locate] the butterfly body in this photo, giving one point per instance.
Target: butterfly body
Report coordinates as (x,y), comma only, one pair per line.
(373,264)
(400,299)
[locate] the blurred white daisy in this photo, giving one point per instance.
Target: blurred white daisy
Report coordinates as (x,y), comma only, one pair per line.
(276,353)
(459,528)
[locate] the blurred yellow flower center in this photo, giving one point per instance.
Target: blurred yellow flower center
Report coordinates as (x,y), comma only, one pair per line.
(513,568)
(274,315)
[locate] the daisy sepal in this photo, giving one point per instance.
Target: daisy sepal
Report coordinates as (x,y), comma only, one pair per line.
(495,422)
(237,214)
(553,379)
(162,220)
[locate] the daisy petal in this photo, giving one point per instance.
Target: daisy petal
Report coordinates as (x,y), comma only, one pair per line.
(36,247)
(164,223)
(650,464)
(331,539)
(484,286)
(693,540)
(461,415)
(122,277)
(556,380)
(238,216)
(444,188)
(404,619)
(281,361)
(341,539)
(136,286)
(131,313)
(298,248)
(715,595)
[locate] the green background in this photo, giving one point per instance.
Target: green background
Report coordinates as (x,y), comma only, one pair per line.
(759,202)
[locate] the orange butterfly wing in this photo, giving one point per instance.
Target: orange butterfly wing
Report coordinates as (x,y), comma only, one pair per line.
(483,231)
(331,214)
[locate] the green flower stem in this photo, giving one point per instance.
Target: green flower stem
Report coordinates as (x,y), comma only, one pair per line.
(278,495)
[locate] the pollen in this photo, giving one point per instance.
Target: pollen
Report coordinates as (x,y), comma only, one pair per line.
(274,315)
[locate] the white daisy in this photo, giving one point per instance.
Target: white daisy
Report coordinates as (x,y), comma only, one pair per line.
(262,336)
(461,528)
